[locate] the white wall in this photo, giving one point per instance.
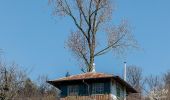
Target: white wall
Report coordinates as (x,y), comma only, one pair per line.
(114,92)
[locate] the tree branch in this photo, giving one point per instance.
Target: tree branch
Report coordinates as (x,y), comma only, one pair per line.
(74,19)
(81,11)
(78,26)
(85,59)
(89,20)
(108,47)
(96,10)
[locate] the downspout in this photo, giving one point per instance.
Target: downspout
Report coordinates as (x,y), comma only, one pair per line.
(88,87)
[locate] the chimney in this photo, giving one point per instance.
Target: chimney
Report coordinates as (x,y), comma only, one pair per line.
(67,74)
(124,76)
(93,68)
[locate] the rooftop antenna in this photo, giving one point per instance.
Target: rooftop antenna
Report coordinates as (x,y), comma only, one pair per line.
(67,74)
(124,76)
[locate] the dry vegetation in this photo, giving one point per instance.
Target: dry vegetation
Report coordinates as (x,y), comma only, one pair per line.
(16,85)
(151,87)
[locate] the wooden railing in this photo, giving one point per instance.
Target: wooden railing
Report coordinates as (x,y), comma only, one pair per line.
(92,97)
(134,96)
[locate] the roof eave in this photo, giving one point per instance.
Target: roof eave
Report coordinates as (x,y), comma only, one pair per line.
(128,86)
(57,81)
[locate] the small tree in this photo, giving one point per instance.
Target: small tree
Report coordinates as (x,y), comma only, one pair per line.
(154,82)
(45,90)
(156,88)
(12,79)
(166,78)
(91,17)
(135,77)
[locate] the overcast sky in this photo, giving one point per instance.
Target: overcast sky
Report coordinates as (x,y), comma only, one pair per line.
(34,39)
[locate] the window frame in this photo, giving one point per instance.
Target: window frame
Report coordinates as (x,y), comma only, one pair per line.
(98,88)
(119,90)
(72,90)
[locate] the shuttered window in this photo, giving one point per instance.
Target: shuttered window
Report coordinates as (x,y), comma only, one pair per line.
(63,91)
(98,88)
(83,90)
(118,91)
(106,87)
(73,90)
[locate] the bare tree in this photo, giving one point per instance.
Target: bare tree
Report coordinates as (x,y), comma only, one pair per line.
(91,17)
(11,79)
(16,85)
(154,82)
(156,88)
(135,77)
(45,90)
(166,78)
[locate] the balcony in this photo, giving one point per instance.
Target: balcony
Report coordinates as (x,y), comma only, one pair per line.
(92,97)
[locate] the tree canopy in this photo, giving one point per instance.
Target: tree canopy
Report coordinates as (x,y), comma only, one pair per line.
(91,18)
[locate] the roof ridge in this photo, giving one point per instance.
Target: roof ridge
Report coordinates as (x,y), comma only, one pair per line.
(85,74)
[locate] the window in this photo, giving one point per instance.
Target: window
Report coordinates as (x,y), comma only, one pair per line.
(118,91)
(98,88)
(73,90)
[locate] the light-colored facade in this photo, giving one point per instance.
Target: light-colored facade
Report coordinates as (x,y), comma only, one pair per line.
(118,91)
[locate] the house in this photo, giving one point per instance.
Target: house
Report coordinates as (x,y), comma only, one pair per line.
(92,86)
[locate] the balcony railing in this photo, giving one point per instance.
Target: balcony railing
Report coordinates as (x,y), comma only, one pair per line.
(92,97)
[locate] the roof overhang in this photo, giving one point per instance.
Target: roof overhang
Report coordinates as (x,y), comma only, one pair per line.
(56,83)
(129,88)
